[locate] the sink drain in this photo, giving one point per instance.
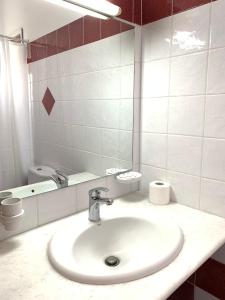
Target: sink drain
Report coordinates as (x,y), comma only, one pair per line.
(112,261)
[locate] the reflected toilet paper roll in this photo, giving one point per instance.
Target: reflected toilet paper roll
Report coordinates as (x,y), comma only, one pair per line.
(159,192)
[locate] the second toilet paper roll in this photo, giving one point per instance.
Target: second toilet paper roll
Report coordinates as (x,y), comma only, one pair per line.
(159,192)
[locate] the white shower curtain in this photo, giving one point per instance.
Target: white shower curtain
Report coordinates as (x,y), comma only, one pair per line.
(15,150)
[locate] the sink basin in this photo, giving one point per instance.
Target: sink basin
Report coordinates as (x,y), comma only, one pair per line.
(118,250)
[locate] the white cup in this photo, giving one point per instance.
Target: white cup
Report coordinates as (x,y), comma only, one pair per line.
(11,207)
(5,195)
(12,223)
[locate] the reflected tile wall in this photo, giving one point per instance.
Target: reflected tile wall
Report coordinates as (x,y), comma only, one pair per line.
(85,30)
(90,118)
(80,32)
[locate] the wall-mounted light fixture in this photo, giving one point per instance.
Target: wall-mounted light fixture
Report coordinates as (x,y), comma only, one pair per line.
(102,9)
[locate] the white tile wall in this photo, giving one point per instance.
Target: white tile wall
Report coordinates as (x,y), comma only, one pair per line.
(191,30)
(183,105)
(213,165)
(212,197)
(154,149)
(214,116)
(184,154)
(157,118)
(217,25)
(182,110)
(56,204)
(155,78)
(156,39)
(188,74)
(216,72)
(185,188)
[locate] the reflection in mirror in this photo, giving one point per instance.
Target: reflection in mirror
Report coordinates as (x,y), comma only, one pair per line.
(66,97)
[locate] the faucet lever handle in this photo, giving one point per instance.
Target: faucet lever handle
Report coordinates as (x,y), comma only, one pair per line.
(61,174)
(97,191)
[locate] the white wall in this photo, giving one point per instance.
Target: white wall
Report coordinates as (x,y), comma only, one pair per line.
(183,106)
(90,127)
(33,16)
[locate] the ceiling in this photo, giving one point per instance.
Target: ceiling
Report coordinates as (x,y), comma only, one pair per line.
(37,17)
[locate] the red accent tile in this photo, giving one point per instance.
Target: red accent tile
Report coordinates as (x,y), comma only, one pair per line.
(109,27)
(63,41)
(91,29)
(38,49)
(137,18)
(184,292)
(181,5)
(211,278)
(48,101)
(127,8)
(191,279)
(125,27)
(51,43)
(76,32)
(154,10)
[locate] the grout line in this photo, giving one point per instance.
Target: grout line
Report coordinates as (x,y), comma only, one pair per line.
(110,68)
(204,120)
(184,95)
(183,173)
(184,135)
(207,49)
(169,86)
(178,55)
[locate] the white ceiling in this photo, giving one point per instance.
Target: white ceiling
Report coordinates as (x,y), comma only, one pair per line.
(37,17)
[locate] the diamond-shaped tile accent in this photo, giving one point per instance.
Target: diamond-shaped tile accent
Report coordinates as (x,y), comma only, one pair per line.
(48,101)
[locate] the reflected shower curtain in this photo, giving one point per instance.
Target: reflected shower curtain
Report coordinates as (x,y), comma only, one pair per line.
(15,151)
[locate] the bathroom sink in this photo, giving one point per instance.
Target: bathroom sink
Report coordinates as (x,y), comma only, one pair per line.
(117,250)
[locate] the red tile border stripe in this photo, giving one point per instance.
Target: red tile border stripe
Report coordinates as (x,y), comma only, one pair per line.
(84,31)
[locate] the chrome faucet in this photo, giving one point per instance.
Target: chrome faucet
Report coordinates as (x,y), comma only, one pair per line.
(94,203)
(60,179)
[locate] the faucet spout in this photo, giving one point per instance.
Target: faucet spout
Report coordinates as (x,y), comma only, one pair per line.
(60,179)
(107,201)
(95,200)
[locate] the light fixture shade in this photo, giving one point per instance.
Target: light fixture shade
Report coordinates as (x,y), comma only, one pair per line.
(102,6)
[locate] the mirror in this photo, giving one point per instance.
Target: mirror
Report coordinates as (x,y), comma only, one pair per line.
(66,97)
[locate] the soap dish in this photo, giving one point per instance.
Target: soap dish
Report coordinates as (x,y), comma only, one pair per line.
(129,177)
(114,171)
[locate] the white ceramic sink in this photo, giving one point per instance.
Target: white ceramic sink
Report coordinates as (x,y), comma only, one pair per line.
(143,246)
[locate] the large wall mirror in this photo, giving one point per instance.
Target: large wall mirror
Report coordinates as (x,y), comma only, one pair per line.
(66,97)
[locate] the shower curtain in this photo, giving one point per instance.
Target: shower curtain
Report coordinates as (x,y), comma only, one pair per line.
(15,146)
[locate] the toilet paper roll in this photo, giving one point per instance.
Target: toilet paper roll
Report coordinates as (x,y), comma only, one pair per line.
(159,192)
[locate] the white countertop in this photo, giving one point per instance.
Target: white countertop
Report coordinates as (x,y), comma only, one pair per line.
(26,274)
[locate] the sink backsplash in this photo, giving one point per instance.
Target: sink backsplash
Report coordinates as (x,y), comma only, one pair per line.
(54,205)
